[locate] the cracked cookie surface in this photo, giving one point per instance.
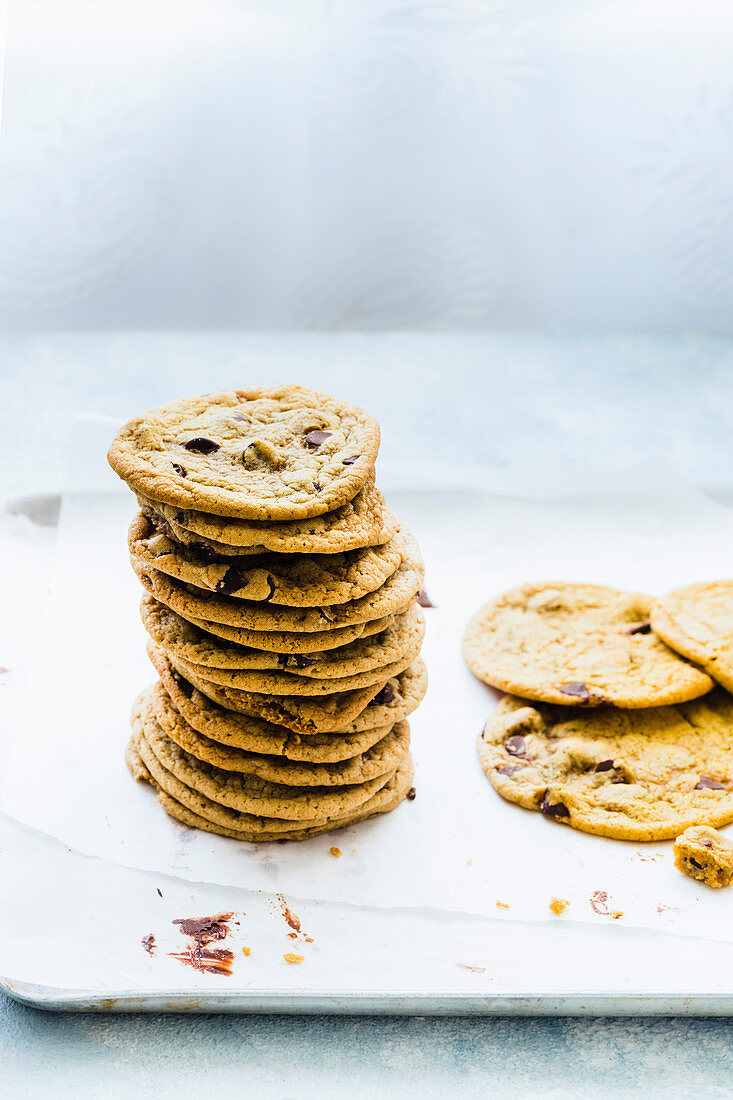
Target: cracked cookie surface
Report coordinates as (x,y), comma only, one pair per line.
(278,453)
(577,645)
(628,774)
(697,621)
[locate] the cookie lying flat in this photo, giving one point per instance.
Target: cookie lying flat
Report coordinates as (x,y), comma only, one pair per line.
(326,714)
(176,635)
(697,621)
(398,698)
(393,597)
(628,774)
(380,759)
(577,645)
(283,580)
(363,521)
(265,454)
(705,855)
(246,793)
(238,826)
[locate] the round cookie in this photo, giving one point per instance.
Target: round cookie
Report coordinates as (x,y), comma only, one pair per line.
(627,774)
(697,621)
(176,635)
(278,453)
(394,597)
(382,758)
(232,824)
(399,697)
(327,714)
(289,580)
(246,792)
(577,645)
(363,521)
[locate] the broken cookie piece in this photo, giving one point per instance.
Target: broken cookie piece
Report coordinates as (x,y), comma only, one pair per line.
(704,854)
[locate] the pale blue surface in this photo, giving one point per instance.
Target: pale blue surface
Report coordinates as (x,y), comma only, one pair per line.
(616,403)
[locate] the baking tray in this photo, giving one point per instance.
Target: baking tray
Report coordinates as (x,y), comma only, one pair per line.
(461,924)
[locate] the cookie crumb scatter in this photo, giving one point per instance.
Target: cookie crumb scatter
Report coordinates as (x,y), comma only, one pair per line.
(293,959)
(558,905)
(501,905)
(335,852)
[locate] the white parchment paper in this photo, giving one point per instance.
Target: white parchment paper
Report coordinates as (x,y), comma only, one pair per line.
(458,846)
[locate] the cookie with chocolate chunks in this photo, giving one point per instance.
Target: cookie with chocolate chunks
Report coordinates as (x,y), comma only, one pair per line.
(579,645)
(628,774)
(278,453)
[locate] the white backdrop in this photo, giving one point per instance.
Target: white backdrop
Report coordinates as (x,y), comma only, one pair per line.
(520,164)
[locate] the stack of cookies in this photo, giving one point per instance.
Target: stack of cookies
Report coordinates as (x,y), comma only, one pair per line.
(280,596)
(618,718)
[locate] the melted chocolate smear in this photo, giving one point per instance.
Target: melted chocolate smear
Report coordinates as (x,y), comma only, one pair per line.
(148,943)
(604,766)
(424,600)
(694,863)
(316,437)
(558,810)
(350,461)
(576,689)
(511,769)
(411,794)
(216,961)
(205,930)
(386,695)
(706,784)
(180,470)
(640,628)
(599,903)
(230,582)
(290,917)
(201,445)
(515,745)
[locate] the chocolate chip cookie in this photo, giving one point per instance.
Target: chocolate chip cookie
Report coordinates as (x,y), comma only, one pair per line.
(580,645)
(697,621)
(629,774)
(280,453)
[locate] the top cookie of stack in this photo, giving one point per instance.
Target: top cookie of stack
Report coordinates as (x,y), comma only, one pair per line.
(281,604)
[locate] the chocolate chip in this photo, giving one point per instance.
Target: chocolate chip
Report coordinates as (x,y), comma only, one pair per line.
(179,470)
(205,552)
(424,600)
(316,486)
(349,461)
(411,794)
(515,745)
(230,582)
(296,660)
(604,766)
(640,628)
(554,809)
(272,586)
(706,784)
(201,445)
(576,689)
(694,863)
(315,438)
(511,769)
(386,695)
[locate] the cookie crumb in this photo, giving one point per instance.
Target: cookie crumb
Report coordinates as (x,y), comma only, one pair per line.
(704,854)
(558,905)
(501,905)
(291,958)
(335,852)
(616,913)
(246,950)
